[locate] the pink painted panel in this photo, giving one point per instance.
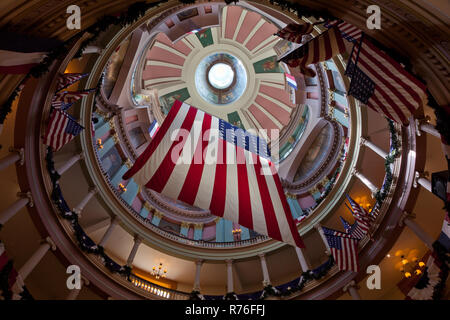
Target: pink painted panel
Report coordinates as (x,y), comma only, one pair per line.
(312,95)
(279,113)
(105,136)
(160,54)
(233,14)
(179,46)
(156,72)
(265,31)
(262,119)
(250,21)
(190,234)
(137,204)
(306,202)
(131,119)
(209,232)
(277,93)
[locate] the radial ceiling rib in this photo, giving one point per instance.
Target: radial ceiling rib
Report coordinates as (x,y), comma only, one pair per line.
(254,30)
(240,23)
(250,21)
(273,118)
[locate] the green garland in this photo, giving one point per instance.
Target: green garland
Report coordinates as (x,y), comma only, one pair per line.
(381,195)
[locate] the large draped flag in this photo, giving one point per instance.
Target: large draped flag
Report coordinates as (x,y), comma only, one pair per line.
(206,162)
(19,53)
(344,248)
(67,79)
(294,32)
(348,31)
(61,129)
(383,84)
(321,48)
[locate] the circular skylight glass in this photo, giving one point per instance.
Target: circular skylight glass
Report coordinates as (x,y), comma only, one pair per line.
(221,76)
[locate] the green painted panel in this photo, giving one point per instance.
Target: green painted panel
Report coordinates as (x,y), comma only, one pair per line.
(235,120)
(205,36)
(267,65)
(167,100)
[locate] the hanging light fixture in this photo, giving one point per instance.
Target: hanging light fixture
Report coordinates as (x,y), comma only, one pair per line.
(409,264)
(158,272)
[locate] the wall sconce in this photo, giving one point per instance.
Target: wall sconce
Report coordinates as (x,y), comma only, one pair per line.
(122,187)
(99,144)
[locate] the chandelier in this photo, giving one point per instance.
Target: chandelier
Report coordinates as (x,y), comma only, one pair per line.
(157,272)
(409,264)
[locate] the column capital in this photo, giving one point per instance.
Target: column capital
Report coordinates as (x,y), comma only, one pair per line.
(85,281)
(351,284)
(128,163)
(354,171)
(198,226)
(419,122)
(405,215)
(115,220)
(417,176)
(262,255)
(50,242)
(229,262)
(28,196)
(363,141)
(199,262)
(93,189)
(147,206)
(217,219)
(158,214)
(185,224)
(21,153)
(81,155)
(137,240)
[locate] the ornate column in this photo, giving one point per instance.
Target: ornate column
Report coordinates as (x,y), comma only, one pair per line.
(198,267)
(15,156)
(37,256)
(367,183)
(230,287)
(301,258)
(137,243)
(8,213)
(69,163)
(324,239)
(407,219)
(352,289)
(109,231)
(73,294)
(265,271)
(366,142)
(84,202)
(419,178)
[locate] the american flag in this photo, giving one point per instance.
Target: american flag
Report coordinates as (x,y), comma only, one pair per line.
(348,31)
(321,48)
(382,83)
(354,229)
(61,105)
(344,249)
(71,96)
(294,32)
(221,168)
(61,129)
(67,79)
(363,218)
